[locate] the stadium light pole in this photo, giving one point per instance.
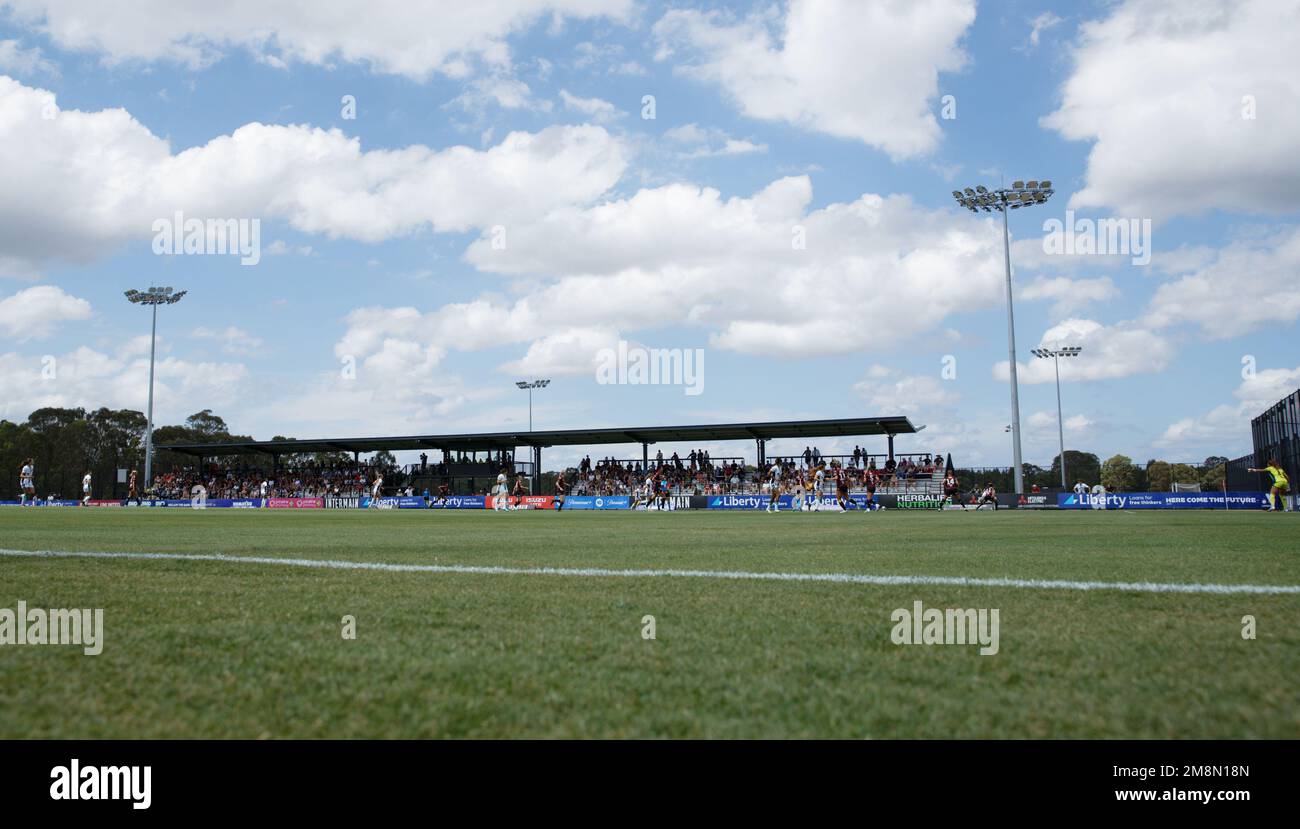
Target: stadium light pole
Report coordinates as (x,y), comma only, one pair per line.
(1004,199)
(535,384)
(1056,355)
(154,297)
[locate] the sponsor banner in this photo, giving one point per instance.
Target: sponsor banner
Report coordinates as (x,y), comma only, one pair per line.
(292,503)
(239,503)
(676,502)
(334,502)
(156,502)
(459,502)
(41,503)
(597,502)
(1039,500)
(786,502)
(529,501)
(1164,500)
(919,501)
(738,501)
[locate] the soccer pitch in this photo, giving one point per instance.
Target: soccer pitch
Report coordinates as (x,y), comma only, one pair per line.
(255,649)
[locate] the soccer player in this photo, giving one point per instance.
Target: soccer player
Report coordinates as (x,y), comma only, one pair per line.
(131,492)
(501,493)
(842,488)
(376,489)
(640,495)
(664,500)
(519,492)
(990,496)
(814,494)
(443,491)
(869,480)
(27,482)
(774,482)
(1281,484)
(951,491)
(561,489)
(85,489)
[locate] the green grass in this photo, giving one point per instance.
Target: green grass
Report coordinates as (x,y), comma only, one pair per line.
(219,649)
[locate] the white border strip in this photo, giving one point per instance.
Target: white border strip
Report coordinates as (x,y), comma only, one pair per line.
(735,575)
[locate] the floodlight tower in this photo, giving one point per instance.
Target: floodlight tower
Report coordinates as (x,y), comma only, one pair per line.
(535,384)
(1019,194)
(1056,355)
(154,297)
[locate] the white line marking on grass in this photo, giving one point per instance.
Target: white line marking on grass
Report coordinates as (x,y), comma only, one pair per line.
(734,575)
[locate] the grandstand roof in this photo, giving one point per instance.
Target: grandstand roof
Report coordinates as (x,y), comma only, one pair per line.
(564,437)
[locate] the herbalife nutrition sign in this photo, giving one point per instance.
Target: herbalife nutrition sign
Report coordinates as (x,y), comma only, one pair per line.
(920,502)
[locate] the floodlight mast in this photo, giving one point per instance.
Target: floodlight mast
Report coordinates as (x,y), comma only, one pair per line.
(1056,355)
(1018,195)
(153,297)
(535,384)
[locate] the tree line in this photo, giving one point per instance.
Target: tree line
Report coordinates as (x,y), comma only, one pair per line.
(1117,473)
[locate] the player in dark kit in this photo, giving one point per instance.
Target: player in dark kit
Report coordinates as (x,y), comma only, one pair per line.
(443,491)
(951,491)
(842,488)
(561,489)
(869,480)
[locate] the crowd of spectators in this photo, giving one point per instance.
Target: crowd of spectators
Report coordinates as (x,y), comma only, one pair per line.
(698,474)
(307,480)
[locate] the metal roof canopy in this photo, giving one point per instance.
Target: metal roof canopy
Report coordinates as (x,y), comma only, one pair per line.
(565,437)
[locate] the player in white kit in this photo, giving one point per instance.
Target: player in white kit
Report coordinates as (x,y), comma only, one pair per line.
(85,489)
(375,490)
(774,481)
(27,482)
(501,501)
(815,497)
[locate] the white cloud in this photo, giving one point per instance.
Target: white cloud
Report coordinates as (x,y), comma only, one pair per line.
(1247,285)
(701,142)
(412,38)
(681,252)
(36,312)
(1228,425)
(1160,87)
(231,339)
(1109,353)
(597,109)
(1040,24)
(320,181)
(891,393)
(572,350)
(863,71)
(1067,295)
(88,378)
(23,61)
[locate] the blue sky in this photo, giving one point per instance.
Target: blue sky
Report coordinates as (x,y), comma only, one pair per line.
(527,120)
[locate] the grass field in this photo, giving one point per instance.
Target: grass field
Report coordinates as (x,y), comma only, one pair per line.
(206,648)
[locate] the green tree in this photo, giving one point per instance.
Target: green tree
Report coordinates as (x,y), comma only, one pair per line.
(1079,466)
(1159,476)
(1183,473)
(1212,478)
(1118,474)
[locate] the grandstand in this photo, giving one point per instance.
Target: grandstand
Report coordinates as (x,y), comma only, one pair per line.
(469,460)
